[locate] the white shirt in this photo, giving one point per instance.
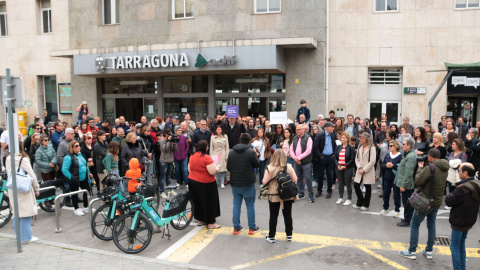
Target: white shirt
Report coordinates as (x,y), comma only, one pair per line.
(4,138)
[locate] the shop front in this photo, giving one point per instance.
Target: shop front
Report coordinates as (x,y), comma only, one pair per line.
(463,93)
(177,82)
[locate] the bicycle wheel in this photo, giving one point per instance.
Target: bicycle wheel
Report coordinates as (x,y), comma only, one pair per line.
(131,241)
(102,226)
(182,222)
(5,212)
(49,206)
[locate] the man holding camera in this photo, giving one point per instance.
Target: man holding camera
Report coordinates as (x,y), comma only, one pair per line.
(422,180)
(405,179)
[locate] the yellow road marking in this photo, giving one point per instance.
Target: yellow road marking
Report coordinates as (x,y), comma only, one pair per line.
(195,245)
(276,257)
(383,259)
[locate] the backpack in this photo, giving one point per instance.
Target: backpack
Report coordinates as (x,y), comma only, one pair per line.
(286,187)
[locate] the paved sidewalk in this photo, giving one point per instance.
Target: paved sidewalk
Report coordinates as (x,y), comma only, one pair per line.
(50,255)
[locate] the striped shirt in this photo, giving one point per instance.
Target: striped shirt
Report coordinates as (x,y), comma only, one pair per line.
(341,157)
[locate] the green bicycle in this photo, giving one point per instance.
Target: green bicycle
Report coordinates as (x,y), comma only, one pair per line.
(5,211)
(133,231)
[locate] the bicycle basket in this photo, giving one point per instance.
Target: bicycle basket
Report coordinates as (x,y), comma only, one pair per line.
(107,193)
(148,190)
(177,205)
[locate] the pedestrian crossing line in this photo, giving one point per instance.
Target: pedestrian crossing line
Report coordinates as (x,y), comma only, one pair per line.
(276,257)
(190,249)
(381,258)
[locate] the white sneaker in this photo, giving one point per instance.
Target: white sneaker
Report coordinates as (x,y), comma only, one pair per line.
(186,187)
(85,210)
(379,186)
(347,202)
(384,212)
(363,208)
(222,186)
(339,201)
(355,206)
(173,193)
(396,215)
(33,239)
(163,196)
(314,184)
(178,185)
(363,189)
(448,207)
(78,212)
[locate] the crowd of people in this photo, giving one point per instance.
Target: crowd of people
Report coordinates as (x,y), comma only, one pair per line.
(242,151)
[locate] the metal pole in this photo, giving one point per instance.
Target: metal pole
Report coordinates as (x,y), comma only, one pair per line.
(11,148)
(58,212)
(90,211)
(430,103)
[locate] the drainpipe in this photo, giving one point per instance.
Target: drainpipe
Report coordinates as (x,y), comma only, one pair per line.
(327,54)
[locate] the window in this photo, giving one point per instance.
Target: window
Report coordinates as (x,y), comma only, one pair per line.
(3,19)
(111,11)
(385,76)
(182,9)
(267,6)
(46,16)
(463,4)
(386,5)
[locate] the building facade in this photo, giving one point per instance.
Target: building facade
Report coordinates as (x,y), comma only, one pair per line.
(147,57)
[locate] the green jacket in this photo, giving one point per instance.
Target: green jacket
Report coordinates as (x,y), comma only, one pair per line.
(406,168)
(44,156)
(422,180)
(109,163)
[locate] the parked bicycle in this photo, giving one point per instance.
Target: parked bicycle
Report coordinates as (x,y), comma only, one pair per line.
(133,231)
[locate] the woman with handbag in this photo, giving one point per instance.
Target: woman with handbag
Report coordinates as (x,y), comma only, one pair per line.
(76,171)
(364,160)
(27,204)
(46,159)
(100,150)
(219,147)
(344,165)
(277,163)
(87,152)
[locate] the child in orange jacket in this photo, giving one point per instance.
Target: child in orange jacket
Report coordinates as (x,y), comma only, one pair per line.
(134,172)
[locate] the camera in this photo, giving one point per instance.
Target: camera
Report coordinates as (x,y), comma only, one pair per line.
(422,158)
(173,138)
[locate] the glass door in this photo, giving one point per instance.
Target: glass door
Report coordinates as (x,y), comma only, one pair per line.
(390,108)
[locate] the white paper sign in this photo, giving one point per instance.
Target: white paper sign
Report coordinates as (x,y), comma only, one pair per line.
(150,108)
(184,109)
(278,118)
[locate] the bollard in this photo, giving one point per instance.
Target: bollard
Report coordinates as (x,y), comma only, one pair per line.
(90,211)
(57,207)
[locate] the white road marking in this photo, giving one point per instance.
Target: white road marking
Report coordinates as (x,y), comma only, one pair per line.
(169,251)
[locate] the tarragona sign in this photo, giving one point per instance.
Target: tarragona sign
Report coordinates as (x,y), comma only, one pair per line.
(158,61)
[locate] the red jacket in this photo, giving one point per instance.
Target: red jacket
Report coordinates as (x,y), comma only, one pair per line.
(134,172)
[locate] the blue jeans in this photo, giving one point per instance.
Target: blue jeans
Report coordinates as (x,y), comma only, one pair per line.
(303,173)
(290,161)
(261,171)
(181,171)
(328,164)
(164,177)
(387,190)
(25,228)
(417,219)
(457,247)
(247,194)
(221,176)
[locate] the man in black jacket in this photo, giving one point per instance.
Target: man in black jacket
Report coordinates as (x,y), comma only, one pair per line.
(241,162)
(202,134)
(323,157)
(464,201)
(233,131)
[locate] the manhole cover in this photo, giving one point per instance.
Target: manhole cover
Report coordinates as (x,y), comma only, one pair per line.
(442,240)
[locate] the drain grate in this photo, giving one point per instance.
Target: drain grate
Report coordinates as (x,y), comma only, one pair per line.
(442,241)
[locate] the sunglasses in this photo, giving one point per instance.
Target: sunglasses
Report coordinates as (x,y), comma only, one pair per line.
(38,128)
(391,145)
(76,146)
(89,138)
(257,120)
(46,140)
(244,121)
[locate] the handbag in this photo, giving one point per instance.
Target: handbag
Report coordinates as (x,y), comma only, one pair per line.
(24,181)
(419,200)
(145,159)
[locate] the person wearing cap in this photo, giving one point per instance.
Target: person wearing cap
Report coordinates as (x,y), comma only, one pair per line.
(83,108)
(323,156)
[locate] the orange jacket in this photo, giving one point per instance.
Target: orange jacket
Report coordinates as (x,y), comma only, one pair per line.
(134,172)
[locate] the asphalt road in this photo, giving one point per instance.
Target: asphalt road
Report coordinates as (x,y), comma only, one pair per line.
(326,236)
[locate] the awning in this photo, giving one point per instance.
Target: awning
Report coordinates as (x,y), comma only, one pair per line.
(467,66)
